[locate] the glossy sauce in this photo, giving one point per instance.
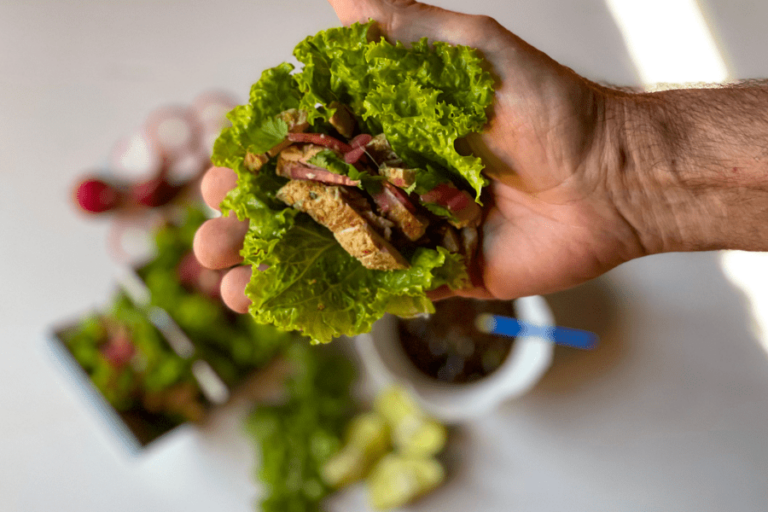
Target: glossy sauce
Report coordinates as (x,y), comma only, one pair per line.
(448,347)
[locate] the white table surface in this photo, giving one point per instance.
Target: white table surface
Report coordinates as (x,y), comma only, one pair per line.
(670,413)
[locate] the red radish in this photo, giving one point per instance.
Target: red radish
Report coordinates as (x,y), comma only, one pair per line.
(153,193)
(321,140)
(96,196)
(361,140)
(459,201)
(211,108)
(299,171)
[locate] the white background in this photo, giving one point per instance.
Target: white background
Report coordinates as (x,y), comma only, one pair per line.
(671,413)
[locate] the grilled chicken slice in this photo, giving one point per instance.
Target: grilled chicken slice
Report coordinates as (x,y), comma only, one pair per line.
(332,207)
(396,206)
(398,176)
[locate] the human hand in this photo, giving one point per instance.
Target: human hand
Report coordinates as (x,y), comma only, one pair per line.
(550,220)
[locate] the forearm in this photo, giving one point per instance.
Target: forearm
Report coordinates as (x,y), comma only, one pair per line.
(693,167)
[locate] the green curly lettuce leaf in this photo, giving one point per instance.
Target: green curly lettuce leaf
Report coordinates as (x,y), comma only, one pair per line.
(423,98)
(274,93)
(313,285)
(295,439)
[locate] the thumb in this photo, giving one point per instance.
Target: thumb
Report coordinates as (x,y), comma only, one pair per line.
(408,21)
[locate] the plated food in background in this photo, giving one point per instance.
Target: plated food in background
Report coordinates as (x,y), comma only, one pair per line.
(393,449)
(296,437)
(234,345)
(447,345)
(317,442)
(133,367)
(357,200)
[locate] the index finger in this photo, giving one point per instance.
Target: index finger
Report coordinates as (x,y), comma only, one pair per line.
(215,184)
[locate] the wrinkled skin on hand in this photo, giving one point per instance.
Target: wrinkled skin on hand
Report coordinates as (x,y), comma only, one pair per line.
(550,221)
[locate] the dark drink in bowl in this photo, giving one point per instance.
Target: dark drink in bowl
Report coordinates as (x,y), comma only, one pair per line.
(447,346)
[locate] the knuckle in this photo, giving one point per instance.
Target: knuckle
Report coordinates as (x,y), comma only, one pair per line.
(485,23)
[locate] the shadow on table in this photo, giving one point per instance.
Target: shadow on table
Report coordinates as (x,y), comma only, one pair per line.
(673,313)
(593,306)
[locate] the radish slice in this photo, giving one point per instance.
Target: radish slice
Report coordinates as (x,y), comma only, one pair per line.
(118,351)
(188,167)
(321,140)
(361,140)
(135,158)
(299,171)
(175,130)
(441,194)
(211,109)
(153,193)
(352,157)
(466,211)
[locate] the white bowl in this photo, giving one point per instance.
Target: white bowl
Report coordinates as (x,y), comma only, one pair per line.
(386,363)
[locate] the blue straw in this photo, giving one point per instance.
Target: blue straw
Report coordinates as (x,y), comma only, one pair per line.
(511,327)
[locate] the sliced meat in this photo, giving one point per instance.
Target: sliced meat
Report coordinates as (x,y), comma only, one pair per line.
(299,153)
(293,163)
(342,120)
(363,207)
(332,207)
(397,207)
(370,248)
(299,171)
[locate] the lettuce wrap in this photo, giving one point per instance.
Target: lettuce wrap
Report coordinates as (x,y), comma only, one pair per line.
(421,99)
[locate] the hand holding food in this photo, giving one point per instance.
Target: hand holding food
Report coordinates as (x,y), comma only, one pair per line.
(583,177)
(548,223)
(356,200)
